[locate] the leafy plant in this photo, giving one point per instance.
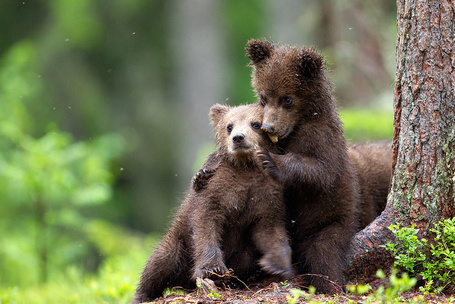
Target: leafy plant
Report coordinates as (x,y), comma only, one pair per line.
(434,262)
(296,294)
(359,289)
(407,251)
(385,294)
(397,285)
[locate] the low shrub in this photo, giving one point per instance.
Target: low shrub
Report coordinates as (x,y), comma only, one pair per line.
(433,261)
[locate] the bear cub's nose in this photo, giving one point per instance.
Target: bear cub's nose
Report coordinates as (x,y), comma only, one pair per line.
(267,128)
(238,138)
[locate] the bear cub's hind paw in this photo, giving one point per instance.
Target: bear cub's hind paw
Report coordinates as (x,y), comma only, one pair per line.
(278,264)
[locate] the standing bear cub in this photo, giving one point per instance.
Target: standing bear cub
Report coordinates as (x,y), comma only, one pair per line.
(236,222)
(320,186)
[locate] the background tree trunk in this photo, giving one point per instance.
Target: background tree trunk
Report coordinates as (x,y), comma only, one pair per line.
(422,190)
(199,85)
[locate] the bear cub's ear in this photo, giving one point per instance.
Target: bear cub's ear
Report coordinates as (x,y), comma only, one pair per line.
(216,113)
(258,50)
(310,62)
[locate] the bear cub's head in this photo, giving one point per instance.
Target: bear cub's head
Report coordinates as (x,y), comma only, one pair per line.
(291,85)
(238,131)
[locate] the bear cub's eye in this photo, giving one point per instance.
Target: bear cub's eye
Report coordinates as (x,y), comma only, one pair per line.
(262,100)
(229,128)
(287,101)
(256,125)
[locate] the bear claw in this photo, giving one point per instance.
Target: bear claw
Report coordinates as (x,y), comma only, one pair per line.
(211,272)
(200,179)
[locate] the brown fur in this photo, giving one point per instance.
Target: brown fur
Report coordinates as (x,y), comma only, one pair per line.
(330,190)
(236,222)
(321,190)
(373,166)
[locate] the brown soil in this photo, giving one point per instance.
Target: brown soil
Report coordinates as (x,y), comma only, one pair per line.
(281,293)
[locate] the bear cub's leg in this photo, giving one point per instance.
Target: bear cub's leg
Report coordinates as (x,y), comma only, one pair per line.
(270,237)
(209,258)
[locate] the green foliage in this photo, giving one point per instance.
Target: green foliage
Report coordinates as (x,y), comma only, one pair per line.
(48,181)
(242,20)
(385,294)
(214,295)
(396,287)
(367,125)
(114,282)
(433,261)
(408,250)
(359,288)
(76,20)
(296,294)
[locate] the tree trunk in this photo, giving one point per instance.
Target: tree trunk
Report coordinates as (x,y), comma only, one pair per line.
(422,190)
(199,58)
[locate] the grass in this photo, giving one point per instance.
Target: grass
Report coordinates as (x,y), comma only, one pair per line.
(125,254)
(114,282)
(362,125)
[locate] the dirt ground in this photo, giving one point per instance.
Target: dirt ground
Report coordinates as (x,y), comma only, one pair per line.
(284,293)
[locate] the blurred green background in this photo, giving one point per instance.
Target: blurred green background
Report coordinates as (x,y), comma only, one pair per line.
(103,120)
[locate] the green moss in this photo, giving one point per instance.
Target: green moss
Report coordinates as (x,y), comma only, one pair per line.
(437,194)
(399,183)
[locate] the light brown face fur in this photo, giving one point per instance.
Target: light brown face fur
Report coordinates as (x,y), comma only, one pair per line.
(288,81)
(238,130)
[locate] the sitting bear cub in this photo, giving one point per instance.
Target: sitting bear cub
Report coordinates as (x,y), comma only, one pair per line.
(236,222)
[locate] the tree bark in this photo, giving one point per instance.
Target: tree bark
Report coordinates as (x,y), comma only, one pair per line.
(422,190)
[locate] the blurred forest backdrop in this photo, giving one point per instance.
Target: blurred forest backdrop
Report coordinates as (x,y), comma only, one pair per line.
(103,120)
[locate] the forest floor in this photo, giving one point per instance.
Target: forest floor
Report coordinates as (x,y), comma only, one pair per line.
(292,292)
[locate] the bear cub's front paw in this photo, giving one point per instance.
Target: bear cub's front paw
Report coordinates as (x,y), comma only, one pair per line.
(266,162)
(213,272)
(200,179)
